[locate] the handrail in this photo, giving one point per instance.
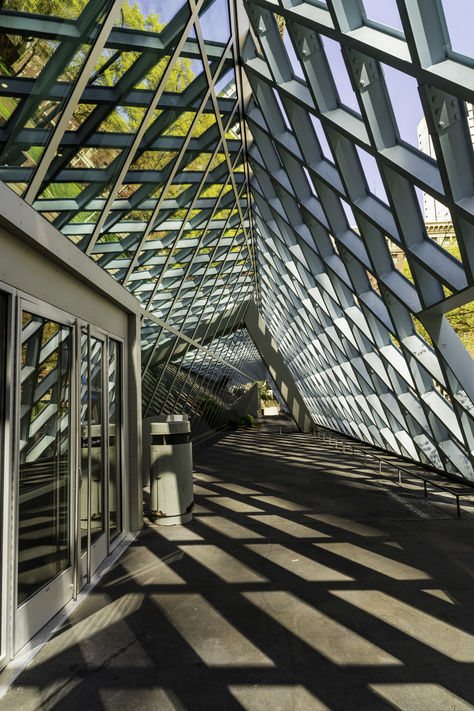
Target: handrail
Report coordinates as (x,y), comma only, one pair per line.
(400,469)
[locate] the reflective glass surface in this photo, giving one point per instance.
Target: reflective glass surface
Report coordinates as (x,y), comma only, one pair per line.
(92,438)
(115,422)
(44,510)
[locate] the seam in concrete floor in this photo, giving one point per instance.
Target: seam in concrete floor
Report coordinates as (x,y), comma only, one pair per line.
(23,659)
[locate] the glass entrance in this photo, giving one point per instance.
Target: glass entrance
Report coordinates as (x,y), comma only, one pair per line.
(44,486)
(69,454)
(92,440)
(44,551)
(101,471)
(114,439)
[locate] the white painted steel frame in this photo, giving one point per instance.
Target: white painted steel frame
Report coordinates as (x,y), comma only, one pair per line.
(334,301)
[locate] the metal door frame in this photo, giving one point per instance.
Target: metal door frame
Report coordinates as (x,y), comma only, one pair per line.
(12,636)
(41,607)
(6,489)
(103,545)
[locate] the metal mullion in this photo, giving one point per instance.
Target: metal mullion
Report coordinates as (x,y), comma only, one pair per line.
(209,325)
(212,82)
(74,97)
(77,479)
(239,77)
(89,455)
(164,368)
(124,88)
(152,349)
(209,391)
(54,67)
(204,338)
(196,249)
(225,349)
(243,134)
(185,219)
(172,115)
(195,356)
(141,131)
(183,336)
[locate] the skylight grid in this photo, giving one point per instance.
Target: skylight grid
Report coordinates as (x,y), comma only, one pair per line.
(131,150)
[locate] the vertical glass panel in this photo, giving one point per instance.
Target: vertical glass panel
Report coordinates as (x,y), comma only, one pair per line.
(214,22)
(3,375)
(384,12)
(339,72)
(115,421)
(91,438)
(460,31)
(403,91)
(44,511)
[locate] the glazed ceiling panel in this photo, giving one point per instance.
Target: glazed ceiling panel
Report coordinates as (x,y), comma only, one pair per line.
(362,134)
(120,123)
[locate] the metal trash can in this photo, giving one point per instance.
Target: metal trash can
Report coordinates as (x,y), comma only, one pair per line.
(171,470)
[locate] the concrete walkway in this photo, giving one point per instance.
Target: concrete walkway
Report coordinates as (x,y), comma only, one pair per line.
(302,583)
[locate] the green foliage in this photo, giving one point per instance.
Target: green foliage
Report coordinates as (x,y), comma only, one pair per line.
(247,421)
(264,391)
(461,319)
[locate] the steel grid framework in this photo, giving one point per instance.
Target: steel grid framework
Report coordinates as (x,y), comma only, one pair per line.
(114,130)
(345,316)
(127,132)
(124,130)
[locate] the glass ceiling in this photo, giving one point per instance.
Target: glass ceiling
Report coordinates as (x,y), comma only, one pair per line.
(121,125)
(344,201)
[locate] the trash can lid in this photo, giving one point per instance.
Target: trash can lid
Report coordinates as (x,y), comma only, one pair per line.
(170,427)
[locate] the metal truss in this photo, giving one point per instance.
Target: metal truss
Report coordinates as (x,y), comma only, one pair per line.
(368,343)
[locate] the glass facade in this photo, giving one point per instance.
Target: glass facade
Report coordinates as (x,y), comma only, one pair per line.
(296,164)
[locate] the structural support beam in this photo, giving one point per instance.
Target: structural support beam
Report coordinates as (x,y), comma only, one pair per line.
(275,364)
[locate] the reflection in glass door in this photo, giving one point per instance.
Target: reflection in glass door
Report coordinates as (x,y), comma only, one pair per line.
(114,425)
(3,394)
(92,438)
(44,493)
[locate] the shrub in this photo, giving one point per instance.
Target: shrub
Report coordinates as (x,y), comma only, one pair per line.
(247,421)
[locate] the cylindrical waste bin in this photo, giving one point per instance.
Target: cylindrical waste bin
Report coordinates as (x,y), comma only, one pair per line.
(171,470)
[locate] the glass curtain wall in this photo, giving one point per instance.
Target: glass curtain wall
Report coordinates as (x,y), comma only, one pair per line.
(92,438)
(203,382)
(3,357)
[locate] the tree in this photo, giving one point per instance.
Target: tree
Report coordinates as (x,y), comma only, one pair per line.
(461,319)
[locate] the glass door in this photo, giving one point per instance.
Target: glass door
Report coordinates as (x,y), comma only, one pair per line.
(93,452)
(3,489)
(69,492)
(44,552)
(114,439)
